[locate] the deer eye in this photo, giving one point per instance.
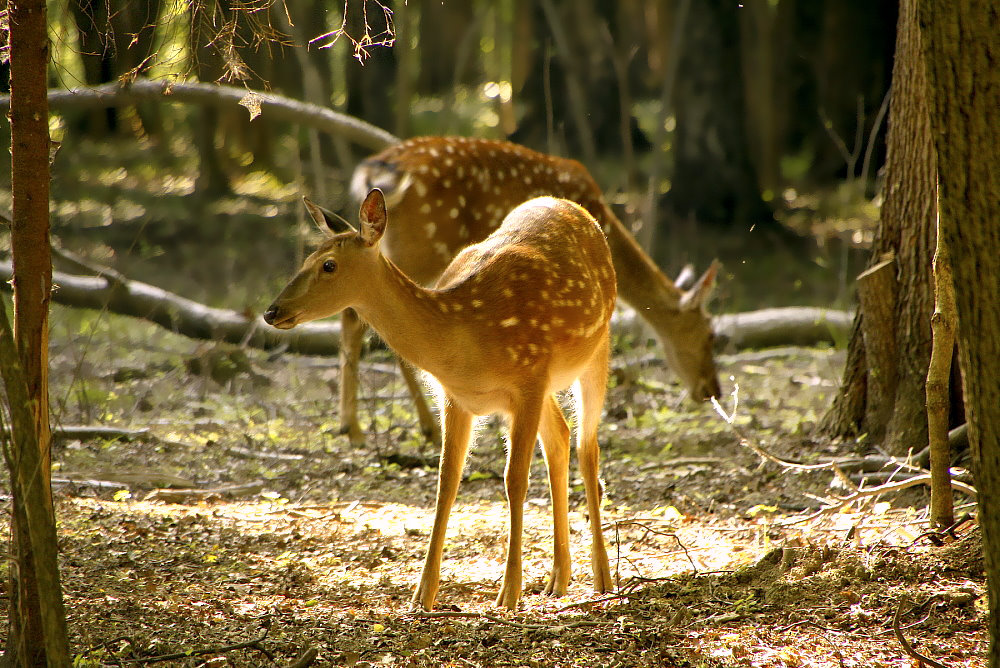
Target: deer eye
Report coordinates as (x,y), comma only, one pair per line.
(329,266)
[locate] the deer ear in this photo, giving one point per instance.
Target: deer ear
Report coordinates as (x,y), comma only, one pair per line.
(698,295)
(373,217)
(327,221)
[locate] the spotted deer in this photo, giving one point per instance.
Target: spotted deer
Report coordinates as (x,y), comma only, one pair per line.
(445,193)
(511,320)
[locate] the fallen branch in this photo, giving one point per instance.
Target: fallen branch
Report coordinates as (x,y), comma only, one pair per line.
(796,325)
(249,644)
(118,294)
(185,316)
(272,106)
(97,432)
(905,644)
(189,494)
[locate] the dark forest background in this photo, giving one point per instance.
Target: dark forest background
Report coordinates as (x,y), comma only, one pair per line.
(701,120)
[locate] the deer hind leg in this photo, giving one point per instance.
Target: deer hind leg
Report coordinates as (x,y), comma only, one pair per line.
(523,436)
(428,425)
(555,444)
(589,391)
(457,427)
(351,331)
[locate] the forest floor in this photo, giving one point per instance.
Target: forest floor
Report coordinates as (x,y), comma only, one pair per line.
(720,558)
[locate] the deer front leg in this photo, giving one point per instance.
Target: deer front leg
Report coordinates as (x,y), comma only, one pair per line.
(457,427)
(351,331)
(523,435)
(555,444)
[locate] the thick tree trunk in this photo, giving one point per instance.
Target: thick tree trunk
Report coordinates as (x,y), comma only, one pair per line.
(37,619)
(711,136)
(883,390)
(961,54)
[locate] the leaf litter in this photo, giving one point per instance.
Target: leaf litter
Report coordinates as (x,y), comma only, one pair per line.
(302,542)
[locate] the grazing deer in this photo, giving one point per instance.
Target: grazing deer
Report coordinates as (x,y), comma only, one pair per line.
(445,193)
(512,320)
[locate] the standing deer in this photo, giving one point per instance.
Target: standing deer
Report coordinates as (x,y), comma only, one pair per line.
(445,193)
(512,320)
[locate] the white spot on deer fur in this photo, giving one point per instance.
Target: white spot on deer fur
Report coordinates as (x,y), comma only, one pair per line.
(443,307)
(448,162)
(456,307)
(460,171)
(461,200)
(421,188)
(423,169)
(453,213)
(425,208)
(431,229)
(446,183)
(512,351)
(507,292)
(463,232)
(442,250)
(436,172)
(476,303)
(509,322)
(433,152)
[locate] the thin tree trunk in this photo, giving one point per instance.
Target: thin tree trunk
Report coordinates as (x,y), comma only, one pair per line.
(938,379)
(38,621)
(961,54)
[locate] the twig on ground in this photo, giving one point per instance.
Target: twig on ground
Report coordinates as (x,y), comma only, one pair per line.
(439,614)
(905,644)
(649,529)
(306,659)
(837,502)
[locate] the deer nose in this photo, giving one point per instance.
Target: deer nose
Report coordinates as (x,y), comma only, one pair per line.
(271,314)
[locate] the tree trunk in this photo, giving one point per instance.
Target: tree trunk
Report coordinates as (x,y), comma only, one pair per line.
(883,390)
(961,53)
(711,136)
(37,619)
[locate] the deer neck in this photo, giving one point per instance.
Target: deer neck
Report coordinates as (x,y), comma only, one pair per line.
(411,319)
(641,284)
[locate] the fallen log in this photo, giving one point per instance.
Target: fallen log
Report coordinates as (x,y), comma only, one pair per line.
(790,326)
(189,318)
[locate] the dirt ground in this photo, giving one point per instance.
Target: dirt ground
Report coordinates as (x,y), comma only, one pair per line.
(309,544)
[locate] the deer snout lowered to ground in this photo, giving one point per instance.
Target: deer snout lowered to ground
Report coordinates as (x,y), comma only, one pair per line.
(511,321)
(445,193)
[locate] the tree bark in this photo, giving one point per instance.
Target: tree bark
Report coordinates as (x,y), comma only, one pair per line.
(891,410)
(37,618)
(961,54)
